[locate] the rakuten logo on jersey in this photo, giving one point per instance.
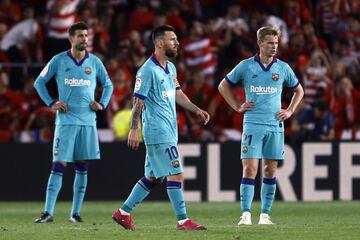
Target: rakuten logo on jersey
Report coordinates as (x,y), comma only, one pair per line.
(168,94)
(73,82)
(263,90)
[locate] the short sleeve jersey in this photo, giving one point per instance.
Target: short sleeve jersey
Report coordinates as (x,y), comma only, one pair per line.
(76,83)
(157,87)
(263,86)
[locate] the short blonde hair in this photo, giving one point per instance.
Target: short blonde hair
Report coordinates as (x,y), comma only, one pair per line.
(267,30)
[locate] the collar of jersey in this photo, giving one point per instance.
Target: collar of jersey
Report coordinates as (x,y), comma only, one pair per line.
(81,61)
(257,59)
(166,69)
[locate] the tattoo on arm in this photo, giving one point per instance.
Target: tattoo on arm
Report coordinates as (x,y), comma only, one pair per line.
(136,113)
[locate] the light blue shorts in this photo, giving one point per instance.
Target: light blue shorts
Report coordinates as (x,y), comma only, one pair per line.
(73,142)
(162,160)
(262,144)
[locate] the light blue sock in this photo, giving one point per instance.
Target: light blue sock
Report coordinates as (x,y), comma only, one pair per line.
(140,191)
(176,197)
(53,187)
(80,183)
(246,193)
(268,190)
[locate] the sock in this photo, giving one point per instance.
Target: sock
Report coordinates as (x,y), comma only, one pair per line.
(268,190)
(176,197)
(53,187)
(80,184)
(246,193)
(139,192)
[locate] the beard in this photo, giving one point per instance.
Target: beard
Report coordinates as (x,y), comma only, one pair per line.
(81,46)
(171,53)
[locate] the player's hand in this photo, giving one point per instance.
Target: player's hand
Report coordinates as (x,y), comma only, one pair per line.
(283,114)
(205,116)
(95,106)
(133,139)
(246,106)
(62,107)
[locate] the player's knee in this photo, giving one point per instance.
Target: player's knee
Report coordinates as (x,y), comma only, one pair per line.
(250,171)
(151,182)
(81,166)
(269,171)
(58,168)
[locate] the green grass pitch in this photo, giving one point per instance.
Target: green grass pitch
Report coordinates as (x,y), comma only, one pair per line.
(155,220)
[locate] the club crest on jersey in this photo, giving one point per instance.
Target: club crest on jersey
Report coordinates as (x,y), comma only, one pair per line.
(244,149)
(87,70)
(275,76)
(175,164)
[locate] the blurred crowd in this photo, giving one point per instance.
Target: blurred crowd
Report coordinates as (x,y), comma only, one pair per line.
(320,40)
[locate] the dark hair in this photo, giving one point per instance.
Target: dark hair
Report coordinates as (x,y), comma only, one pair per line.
(77,26)
(160,31)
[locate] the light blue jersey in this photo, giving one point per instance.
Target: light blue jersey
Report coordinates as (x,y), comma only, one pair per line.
(76,83)
(157,87)
(263,86)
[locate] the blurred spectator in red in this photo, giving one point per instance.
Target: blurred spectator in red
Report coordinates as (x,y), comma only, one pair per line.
(19,43)
(61,15)
(295,13)
(345,106)
(198,51)
(200,94)
(40,125)
(223,116)
(122,96)
(10,117)
(327,13)
(174,18)
(4,60)
(141,17)
(10,12)
(316,79)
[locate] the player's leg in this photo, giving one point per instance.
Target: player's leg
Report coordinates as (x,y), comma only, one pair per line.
(176,196)
(52,191)
(62,152)
(79,190)
(86,149)
(140,190)
(268,190)
(251,151)
(273,151)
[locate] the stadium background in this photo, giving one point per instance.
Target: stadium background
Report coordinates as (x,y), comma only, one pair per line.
(321,41)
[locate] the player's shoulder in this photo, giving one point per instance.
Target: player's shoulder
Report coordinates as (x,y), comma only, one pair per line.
(60,56)
(281,62)
(247,61)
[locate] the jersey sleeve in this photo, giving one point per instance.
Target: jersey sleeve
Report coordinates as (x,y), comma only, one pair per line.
(105,81)
(143,82)
(291,80)
(177,83)
(237,74)
(45,75)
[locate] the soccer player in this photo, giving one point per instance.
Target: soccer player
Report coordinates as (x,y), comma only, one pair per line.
(75,139)
(156,93)
(262,77)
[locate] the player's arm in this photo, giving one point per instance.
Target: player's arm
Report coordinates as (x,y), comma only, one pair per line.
(225,91)
(185,102)
(45,75)
(295,100)
(107,88)
(133,137)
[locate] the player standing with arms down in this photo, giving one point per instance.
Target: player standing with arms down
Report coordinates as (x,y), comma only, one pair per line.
(156,93)
(75,140)
(262,77)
